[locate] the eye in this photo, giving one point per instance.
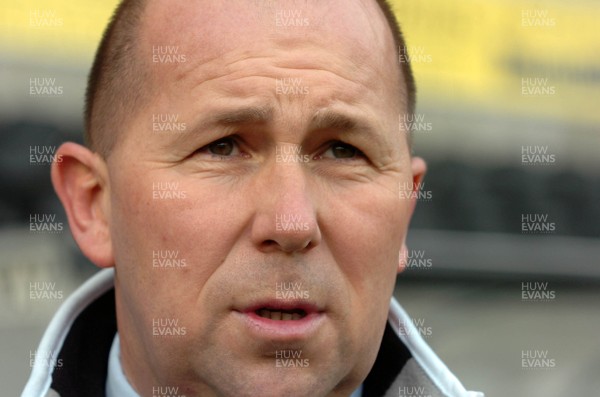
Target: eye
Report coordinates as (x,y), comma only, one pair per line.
(225,147)
(341,150)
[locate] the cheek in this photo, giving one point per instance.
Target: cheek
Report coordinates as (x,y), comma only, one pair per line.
(365,232)
(367,228)
(169,232)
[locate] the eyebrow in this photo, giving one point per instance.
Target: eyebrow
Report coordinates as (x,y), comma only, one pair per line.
(341,121)
(253,114)
(323,119)
(327,119)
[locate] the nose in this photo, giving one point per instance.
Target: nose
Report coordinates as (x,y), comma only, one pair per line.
(286,212)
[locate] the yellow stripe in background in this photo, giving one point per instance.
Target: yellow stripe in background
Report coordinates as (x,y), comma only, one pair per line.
(480,50)
(53,30)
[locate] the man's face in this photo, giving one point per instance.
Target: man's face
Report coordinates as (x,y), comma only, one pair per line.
(279,201)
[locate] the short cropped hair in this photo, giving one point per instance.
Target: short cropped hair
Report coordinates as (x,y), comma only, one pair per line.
(117,83)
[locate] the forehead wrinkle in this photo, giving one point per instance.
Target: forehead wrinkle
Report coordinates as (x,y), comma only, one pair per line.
(237,87)
(360,82)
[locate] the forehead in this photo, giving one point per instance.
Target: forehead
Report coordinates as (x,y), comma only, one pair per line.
(205,30)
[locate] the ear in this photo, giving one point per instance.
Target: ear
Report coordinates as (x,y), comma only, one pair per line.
(80,179)
(418,168)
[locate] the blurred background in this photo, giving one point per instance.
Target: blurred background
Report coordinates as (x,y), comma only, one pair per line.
(504,257)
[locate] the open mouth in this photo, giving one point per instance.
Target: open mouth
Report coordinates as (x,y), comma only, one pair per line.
(279,314)
(274,320)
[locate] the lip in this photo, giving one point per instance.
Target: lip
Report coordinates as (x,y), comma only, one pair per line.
(282,330)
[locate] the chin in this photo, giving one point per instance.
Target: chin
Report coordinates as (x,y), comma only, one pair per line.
(298,382)
(291,389)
